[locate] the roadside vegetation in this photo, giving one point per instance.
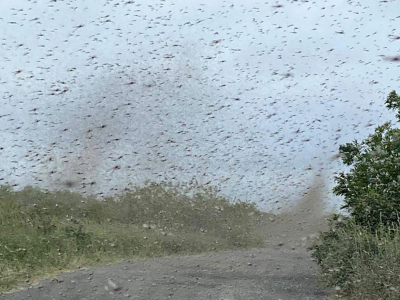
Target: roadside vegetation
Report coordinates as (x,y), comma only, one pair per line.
(45,232)
(359,255)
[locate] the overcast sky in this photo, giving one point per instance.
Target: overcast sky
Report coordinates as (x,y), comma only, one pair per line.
(253,97)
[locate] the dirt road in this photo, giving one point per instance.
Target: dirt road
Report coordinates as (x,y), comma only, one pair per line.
(273,273)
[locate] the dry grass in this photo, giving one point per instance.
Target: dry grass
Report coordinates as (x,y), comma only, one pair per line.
(358,263)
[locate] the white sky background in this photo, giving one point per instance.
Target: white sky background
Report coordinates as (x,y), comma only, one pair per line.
(220,112)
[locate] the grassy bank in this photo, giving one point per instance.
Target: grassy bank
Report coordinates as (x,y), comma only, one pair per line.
(45,232)
(357,263)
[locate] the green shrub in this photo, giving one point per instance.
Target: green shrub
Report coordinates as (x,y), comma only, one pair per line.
(359,255)
(371,188)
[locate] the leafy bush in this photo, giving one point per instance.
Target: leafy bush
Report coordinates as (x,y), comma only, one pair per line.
(359,254)
(371,189)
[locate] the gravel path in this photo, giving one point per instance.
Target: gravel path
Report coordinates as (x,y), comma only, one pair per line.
(270,273)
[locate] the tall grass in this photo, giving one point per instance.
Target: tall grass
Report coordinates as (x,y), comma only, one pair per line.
(44,232)
(358,263)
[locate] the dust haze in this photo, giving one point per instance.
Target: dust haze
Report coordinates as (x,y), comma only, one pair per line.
(298,225)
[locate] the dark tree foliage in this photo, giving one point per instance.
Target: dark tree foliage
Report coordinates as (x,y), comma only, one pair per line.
(371,188)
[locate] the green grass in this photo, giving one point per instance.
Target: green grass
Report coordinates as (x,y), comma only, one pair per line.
(357,263)
(43,233)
